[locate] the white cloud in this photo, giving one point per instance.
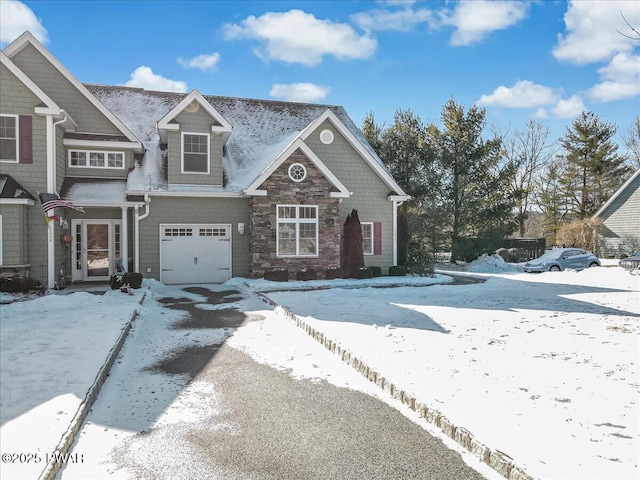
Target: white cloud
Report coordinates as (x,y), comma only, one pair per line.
(569,108)
(399,20)
(540,113)
(299,37)
(299,92)
(205,62)
(523,94)
(591,30)
(15,18)
(143,77)
(621,79)
(474,20)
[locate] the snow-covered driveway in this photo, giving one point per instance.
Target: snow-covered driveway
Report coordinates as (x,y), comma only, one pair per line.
(542,367)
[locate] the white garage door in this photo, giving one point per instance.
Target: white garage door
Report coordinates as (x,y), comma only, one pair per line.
(199,253)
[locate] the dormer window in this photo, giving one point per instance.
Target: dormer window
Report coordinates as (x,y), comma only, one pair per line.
(195,153)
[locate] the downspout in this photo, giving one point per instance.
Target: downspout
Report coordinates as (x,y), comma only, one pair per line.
(396,204)
(51,188)
(139,217)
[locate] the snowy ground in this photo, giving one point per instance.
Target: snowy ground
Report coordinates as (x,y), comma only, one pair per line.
(51,349)
(542,367)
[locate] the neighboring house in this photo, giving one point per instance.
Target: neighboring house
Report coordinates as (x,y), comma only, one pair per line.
(183,188)
(621,218)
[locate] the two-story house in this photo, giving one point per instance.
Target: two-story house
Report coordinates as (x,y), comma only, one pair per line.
(183,188)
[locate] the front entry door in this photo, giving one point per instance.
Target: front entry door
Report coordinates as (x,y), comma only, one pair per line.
(97,253)
(96,247)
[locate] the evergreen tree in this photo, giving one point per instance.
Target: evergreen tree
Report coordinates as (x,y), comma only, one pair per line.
(476,192)
(351,253)
(403,150)
(551,200)
(593,169)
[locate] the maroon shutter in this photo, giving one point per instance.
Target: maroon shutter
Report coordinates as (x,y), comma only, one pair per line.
(377,238)
(26,152)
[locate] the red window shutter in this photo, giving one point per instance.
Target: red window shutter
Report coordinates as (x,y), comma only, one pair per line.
(377,238)
(26,151)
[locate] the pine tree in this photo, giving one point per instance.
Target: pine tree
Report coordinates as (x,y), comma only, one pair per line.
(476,192)
(351,253)
(593,169)
(402,148)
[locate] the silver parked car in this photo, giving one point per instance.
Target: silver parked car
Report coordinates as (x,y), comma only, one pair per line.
(562,258)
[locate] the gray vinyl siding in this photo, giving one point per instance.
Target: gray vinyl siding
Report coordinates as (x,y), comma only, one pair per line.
(369,192)
(61,166)
(622,222)
(194,210)
(14,234)
(17,99)
(61,91)
(195,122)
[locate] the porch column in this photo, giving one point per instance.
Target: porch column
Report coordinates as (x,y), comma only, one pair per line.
(124,239)
(51,188)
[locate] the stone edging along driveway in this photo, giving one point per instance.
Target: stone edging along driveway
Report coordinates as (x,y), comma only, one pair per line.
(499,461)
(52,468)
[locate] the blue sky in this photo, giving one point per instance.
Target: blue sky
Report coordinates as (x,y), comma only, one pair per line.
(546,60)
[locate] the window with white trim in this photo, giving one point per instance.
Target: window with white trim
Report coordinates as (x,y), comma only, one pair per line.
(297,231)
(367,237)
(195,152)
(8,138)
(95,159)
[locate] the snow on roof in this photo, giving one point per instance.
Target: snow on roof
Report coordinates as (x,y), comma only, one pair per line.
(89,191)
(261,130)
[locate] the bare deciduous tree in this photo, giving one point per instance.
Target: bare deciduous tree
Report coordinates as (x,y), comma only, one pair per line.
(636,34)
(632,141)
(528,150)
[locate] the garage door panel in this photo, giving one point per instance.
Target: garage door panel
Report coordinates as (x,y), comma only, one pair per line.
(195,253)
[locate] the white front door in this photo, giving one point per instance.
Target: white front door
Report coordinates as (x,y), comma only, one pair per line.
(195,253)
(95,249)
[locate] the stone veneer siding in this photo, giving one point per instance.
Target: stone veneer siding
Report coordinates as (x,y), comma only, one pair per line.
(281,190)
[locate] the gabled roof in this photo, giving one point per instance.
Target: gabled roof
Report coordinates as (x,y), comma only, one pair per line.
(366,153)
(617,194)
(167,122)
(27,38)
(253,189)
(35,89)
(11,192)
(261,131)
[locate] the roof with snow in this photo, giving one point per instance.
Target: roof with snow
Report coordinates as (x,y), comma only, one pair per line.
(261,130)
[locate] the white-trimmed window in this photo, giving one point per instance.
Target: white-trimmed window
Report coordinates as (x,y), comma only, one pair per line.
(367,237)
(95,159)
(8,138)
(1,240)
(195,152)
(297,231)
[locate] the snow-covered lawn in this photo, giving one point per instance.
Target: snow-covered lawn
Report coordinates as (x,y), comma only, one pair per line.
(544,368)
(51,349)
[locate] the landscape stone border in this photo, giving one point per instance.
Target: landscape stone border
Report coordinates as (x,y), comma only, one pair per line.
(499,461)
(52,468)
